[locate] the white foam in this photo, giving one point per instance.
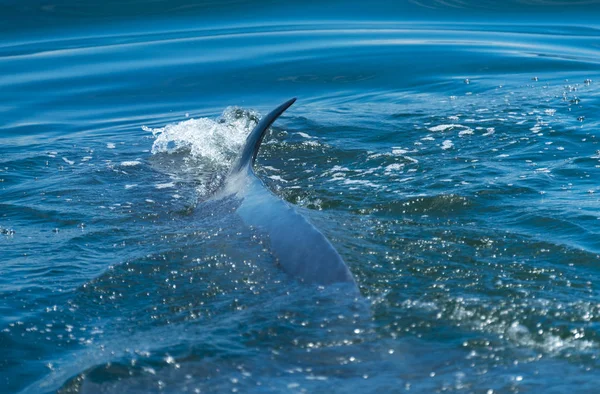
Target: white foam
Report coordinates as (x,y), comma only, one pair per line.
(110,145)
(399,151)
(216,140)
(447,144)
(164,185)
(489,131)
(132,163)
(444,127)
(311,143)
(277,178)
(549,342)
(70,162)
(393,167)
(339,168)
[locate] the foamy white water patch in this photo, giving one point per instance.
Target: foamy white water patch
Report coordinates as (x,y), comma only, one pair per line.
(164,185)
(304,135)
(277,178)
(447,127)
(131,163)
(361,182)
(395,167)
(218,140)
(489,131)
(447,144)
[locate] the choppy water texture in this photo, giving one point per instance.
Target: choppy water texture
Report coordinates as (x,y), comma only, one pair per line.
(452,159)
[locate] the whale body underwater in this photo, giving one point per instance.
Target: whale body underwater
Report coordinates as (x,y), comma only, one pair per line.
(299,248)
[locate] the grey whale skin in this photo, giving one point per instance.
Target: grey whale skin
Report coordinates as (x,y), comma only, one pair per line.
(299,248)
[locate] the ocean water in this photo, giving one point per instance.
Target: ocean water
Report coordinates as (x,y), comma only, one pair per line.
(450,150)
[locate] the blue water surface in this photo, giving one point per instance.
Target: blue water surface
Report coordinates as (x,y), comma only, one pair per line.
(450,150)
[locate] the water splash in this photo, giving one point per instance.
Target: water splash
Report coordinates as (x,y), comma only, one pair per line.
(215,141)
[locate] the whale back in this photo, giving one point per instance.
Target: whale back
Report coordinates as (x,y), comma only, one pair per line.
(299,248)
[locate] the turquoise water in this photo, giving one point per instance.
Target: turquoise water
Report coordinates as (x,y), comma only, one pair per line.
(449,150)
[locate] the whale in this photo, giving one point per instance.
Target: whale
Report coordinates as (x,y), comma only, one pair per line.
(297,246)
(325,288)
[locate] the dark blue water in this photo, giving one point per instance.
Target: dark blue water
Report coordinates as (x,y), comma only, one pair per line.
(450,150)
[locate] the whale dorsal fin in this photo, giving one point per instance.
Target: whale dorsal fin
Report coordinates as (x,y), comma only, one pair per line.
(248,156)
